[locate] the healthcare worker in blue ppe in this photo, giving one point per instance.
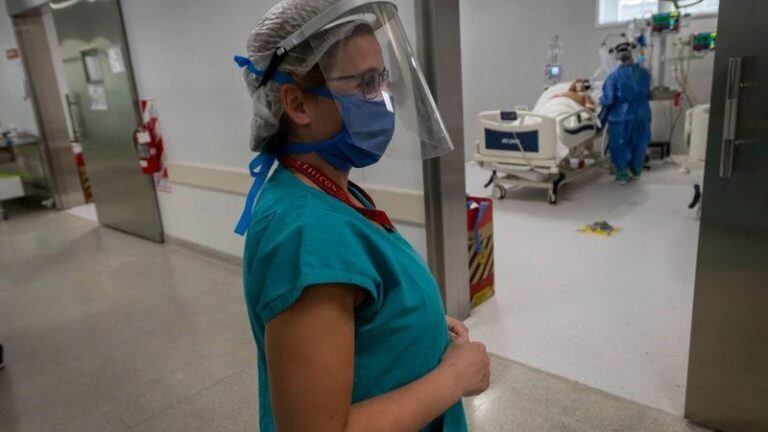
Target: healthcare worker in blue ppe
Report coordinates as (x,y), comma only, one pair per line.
(627,110)
(349,324)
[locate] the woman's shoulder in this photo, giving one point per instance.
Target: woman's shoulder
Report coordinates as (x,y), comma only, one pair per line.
(287,204)
(300,237)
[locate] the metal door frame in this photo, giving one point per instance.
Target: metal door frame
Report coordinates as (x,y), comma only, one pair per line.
(20,7)
(52,174)
(131,82)
(439,49)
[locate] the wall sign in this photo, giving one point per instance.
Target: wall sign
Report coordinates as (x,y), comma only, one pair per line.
(98,96)
(116,63)
(12,53)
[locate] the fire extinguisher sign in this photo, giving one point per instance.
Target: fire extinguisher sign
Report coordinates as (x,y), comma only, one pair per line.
(149,146)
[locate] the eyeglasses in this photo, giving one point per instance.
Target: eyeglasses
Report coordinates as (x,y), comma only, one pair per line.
(369,83)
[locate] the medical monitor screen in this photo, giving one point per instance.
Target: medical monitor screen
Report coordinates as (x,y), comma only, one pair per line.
(554,71)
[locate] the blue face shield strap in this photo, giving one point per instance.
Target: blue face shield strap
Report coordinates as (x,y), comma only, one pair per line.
(279,77)
(330,150)
(261,165)
(259,169)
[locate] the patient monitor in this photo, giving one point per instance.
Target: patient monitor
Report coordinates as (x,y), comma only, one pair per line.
(554,69)
(554,72)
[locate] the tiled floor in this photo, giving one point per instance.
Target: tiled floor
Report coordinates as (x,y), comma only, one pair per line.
(613,313)
(85,211)
(107,332)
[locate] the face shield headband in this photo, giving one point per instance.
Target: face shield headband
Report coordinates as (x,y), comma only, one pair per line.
(322,22)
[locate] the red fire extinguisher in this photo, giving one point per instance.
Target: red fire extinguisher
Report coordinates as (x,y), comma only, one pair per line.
(150,151)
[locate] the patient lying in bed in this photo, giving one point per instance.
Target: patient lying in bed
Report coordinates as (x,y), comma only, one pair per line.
(555,102)
(579,93)
(563,100)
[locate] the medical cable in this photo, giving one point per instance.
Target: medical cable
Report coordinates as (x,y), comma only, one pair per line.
(520,146)
(693,100)
(675,122)
(490,180)
(684,83)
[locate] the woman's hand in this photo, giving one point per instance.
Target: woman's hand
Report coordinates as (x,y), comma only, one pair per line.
(457,328)
(467,364)
(310,350)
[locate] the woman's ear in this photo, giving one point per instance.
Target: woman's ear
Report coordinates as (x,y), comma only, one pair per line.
(293,100)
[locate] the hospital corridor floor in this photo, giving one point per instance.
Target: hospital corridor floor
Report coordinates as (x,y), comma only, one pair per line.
(610,312)
(108,332)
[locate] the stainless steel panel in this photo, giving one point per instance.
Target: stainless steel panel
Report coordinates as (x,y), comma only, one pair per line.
(439,50)
(59,168)
(106,115)
(728,367)
(17,7)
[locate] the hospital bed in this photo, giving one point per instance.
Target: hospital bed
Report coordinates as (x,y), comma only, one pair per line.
(545,148)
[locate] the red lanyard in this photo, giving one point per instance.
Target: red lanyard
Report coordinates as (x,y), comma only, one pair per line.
(335,190)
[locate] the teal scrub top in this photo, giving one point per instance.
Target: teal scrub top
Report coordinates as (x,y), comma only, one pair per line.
(300,236)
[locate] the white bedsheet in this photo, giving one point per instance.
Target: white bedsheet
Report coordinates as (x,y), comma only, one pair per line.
(558,107)
(596,92)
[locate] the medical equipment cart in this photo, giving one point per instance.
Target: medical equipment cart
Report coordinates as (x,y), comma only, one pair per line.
(10,184)
(22,170)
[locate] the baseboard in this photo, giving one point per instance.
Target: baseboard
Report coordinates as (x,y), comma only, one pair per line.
(204,250)
(401,205)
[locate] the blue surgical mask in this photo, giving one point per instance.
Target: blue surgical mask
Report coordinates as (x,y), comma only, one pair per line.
(368,129)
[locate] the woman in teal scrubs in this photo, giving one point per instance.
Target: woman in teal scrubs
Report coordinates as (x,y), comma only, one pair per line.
(348,320)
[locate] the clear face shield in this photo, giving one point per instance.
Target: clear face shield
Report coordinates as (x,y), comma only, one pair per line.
(374,78)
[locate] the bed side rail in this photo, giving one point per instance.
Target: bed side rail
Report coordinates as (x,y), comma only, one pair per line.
(584,117)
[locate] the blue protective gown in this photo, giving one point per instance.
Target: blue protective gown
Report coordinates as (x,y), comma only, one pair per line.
(626,101)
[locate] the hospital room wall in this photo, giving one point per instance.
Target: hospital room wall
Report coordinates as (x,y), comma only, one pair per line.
(182,56)
(504,46)
(15,107)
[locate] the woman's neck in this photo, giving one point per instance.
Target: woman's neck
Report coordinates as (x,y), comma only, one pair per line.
(340,177)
